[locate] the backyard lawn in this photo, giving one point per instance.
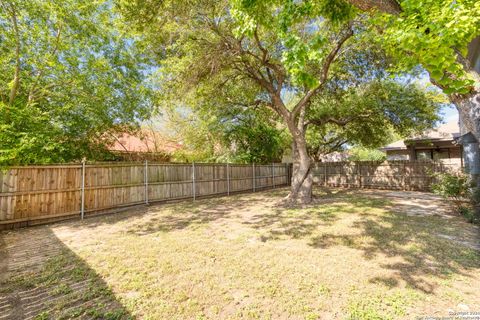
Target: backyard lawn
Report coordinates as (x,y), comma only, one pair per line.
(350,255)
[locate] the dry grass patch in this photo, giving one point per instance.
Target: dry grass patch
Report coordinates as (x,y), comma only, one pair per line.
(350,255)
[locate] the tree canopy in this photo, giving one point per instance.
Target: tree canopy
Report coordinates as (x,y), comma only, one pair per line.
(219,54)
(234,134)
(68,79)
(431,33)
(369,116)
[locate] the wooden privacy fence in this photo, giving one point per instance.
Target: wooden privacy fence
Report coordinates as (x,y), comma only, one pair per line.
(396,175)
(34,194)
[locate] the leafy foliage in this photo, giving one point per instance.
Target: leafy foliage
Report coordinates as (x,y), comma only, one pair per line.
(255,137)
(435,34)
(364,154)
(454,186)
(369,115)
(457,187)
(215,58)
(68,79)
(31,137)
(432,33)
(228,135)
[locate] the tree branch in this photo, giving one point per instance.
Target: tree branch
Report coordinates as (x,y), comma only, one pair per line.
(275,75)
(277,104)
(328,146)
(259,45)
(387,6)
(16,77)
(279,73)
(393,7)
(325,69)
(341,122)
(31,94)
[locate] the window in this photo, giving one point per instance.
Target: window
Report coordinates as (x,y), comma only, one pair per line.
(432,154)
(423,154)
(441,154)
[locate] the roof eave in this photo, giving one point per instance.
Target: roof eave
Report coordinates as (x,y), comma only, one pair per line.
(392,148)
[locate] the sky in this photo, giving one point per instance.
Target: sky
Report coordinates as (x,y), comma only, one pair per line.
(449,113)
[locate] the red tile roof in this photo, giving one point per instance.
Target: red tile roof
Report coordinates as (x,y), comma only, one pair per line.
(143,142)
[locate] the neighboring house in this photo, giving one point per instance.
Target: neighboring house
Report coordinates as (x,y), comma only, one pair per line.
(336,156)
(331,157)
(144,145)
(437,144)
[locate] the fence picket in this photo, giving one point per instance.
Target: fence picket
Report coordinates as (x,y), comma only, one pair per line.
(34,194)
(37,193)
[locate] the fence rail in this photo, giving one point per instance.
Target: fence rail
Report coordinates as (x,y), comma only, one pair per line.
(396,175)
(34,194)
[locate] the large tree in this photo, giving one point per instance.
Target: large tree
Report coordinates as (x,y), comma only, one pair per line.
(238,134)
(435,34)
(211,49)
(68,80)
(432,33)
(368,116)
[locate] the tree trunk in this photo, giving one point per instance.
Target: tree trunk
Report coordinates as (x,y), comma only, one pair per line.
(469,111)
(388,6)
(469,114)
(302,179)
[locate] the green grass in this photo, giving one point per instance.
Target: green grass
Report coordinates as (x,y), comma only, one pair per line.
(55,279)
(347,256)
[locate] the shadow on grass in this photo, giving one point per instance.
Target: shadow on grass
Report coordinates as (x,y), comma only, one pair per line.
(43,279)
(180,215)
(290,223)
(425,256)
(412,232)
(304,222)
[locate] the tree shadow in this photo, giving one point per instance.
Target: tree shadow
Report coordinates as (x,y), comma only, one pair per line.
(425,257)
(290,223)
(304,221)
(171,216)
(43,279)
(191,214)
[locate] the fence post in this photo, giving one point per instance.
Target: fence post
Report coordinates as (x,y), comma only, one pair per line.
(253,171)
(359,172)
(193,180)
(146,181)
(214,186)
(273,175)
(228,179)
(325,174)
(82,191)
